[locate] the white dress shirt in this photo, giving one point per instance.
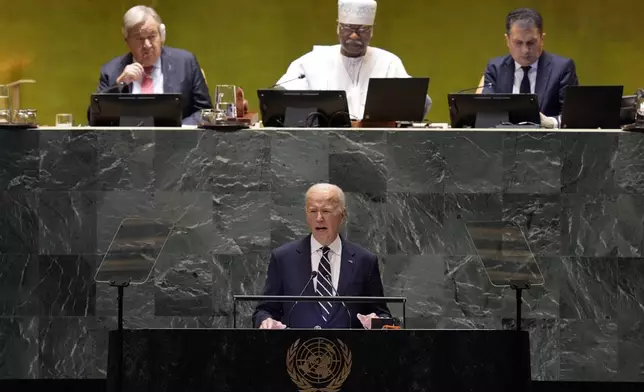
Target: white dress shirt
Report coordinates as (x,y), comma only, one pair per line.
(335,253)
(532,76)
(157,80)
(518,77)
(326,68)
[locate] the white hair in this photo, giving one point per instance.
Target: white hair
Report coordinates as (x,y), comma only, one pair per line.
(139,14)
(329,187)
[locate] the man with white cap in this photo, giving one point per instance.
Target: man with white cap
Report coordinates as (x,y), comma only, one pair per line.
(349,65)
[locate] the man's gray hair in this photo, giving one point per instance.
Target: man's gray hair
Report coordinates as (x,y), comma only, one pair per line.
(139,14)
(338,192)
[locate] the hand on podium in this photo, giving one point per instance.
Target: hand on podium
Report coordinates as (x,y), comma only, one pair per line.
(366,320)
(546,122)
(269,323)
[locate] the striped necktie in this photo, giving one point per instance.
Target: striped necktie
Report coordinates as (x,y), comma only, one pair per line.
(324,285)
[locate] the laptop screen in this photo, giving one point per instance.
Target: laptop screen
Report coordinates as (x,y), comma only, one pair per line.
(592,107)
(396,99)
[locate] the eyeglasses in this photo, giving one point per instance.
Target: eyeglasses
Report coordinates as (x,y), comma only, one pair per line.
(360,29)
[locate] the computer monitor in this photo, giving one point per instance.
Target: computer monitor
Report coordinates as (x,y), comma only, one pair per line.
(396,99)
(592,107)
(304,108)
(493,110)
(132,110)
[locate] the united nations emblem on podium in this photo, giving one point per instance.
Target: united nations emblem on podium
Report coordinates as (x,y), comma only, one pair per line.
(318,364)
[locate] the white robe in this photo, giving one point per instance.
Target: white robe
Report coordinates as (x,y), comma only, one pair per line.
(325,68)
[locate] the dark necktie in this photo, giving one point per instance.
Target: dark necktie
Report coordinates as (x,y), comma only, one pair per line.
(525,83)
(324,285)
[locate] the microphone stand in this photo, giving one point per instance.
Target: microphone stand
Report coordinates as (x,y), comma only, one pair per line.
(335,293)
(314,274)
(118,86)
(119,357)
(301,76)
(475,88)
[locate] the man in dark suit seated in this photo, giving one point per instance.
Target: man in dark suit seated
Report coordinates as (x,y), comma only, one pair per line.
(152,68)
(528,69)
(343,268)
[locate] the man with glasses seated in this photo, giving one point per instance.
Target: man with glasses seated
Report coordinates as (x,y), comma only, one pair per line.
(152,68)
(349,65)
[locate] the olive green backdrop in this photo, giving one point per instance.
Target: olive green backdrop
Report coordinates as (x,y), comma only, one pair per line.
(62,43)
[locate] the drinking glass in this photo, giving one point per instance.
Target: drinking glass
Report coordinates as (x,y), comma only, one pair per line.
(64,120)
(225,98)
(25,117)
(207,116)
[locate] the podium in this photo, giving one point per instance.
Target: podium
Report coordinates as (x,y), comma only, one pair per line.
(245,360)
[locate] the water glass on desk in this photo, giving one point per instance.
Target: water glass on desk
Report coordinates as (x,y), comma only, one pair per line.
(25,117)
(225,99)
(207,116)
(5,110)
(64,120)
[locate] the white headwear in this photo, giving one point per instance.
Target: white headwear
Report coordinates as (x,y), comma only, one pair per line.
(357,12)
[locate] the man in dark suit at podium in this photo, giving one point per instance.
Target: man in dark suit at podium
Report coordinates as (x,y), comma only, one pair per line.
(152,68)
(528,69)
(325,264)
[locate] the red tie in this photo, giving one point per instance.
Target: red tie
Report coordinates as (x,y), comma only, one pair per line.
(146,83)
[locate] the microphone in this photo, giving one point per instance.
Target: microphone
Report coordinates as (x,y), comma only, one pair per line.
(475,88)
(314,274)
(335,292)
(301,76)
(118,86)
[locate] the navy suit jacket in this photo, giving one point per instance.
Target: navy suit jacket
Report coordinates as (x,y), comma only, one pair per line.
(289,270)
(181,74)
(554,74)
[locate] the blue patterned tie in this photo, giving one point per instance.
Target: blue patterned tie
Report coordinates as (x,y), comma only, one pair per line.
(324,285)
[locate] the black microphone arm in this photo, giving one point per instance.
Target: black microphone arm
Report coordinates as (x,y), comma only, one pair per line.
(314,274)
(335,292)
(118,86)
(484,85)
(300,76)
